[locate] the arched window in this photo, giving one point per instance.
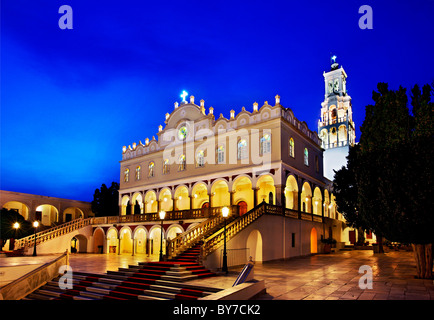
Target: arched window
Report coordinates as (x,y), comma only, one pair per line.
(316,164)
(242,149)
(200,158)
(181,165)
(126,175)
(221,154)
(151,169)
(265,144)
(138,169)
(166,167)
(291,148)
(306,157)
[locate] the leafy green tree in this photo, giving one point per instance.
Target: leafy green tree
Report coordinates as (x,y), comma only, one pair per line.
(7,220)
(393,171)
(345,190)
(105,200)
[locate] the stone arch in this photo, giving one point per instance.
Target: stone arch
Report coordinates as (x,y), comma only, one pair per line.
(155,239)
(151,204)
(342,133)
(324,137)
(291,193)
(72,213)
(21,207)
(166,201)
(181,199)
(125,203)
(242,189)
(137,203)
(220,195)
(317,201)
(47,214)
(78,243)
(112,242)
(98,240)
(265,185)
(332,207)
(254,243)
(126,240)
(174,230)
(199,192)
(140,239)
(306,197)
(326,203)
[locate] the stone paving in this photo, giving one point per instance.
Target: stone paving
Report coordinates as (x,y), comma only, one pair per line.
(336,277)
(332,276)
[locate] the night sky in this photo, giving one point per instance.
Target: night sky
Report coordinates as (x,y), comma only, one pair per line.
(70,99)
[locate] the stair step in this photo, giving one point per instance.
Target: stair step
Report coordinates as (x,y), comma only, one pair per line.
(183,278)
(146,297)
(178,273)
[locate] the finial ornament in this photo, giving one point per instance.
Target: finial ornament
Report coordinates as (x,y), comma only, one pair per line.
(183,95)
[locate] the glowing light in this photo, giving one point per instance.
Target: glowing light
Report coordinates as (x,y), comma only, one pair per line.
(16,225)
(183,95)
(36,224)
(162,214)
(334,58)
(225,212)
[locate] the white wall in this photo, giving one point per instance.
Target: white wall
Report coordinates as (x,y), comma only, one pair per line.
(334,159)
(276,233)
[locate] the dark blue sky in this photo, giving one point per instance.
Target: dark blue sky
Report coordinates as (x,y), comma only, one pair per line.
(70,99)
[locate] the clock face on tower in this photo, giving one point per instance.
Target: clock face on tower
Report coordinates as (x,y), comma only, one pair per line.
(182,133)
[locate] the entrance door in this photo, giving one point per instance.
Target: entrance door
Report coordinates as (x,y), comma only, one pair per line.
(352,236)
(242,207)
(68,217)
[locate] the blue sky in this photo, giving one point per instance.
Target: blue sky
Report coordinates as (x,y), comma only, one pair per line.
(70,99)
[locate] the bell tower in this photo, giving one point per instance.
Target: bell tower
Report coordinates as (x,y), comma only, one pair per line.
(336,127)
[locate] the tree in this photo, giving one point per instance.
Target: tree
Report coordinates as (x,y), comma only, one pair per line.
(7,219)
(345,190)
(105,200)
(392,169)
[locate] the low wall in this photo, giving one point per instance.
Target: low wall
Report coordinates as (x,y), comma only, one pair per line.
(26,284)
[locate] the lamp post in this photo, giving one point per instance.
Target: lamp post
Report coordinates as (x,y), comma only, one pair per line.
(225,213)
(16,226)
(35,225)
(162,215)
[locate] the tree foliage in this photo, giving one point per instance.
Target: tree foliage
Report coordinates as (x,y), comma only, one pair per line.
(392,169)
(105,200)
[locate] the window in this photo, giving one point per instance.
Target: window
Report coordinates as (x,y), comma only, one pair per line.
(242,149)
(316,164)
(166,167)
(126,175)
(291,148)
(200,159)
(221,154)
(293,240)
(151,169)
(138,168)
(306,157)
(181,165)
(265,144)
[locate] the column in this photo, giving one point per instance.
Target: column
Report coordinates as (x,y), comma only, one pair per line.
(278,195)
(255,196)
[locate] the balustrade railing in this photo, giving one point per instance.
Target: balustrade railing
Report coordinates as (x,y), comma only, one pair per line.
(51,233)
(190,237)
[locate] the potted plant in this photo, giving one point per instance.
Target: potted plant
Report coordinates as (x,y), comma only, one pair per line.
(328,243)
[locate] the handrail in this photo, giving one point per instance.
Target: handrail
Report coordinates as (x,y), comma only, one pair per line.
(216,239)
(51,233)
(192,236)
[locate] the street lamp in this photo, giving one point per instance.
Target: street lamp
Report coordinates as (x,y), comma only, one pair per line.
(35,225)
(16,226)
(162,215)
(225,213)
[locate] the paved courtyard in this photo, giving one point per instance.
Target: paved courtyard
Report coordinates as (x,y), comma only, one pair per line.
(336,277)
(320,277)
